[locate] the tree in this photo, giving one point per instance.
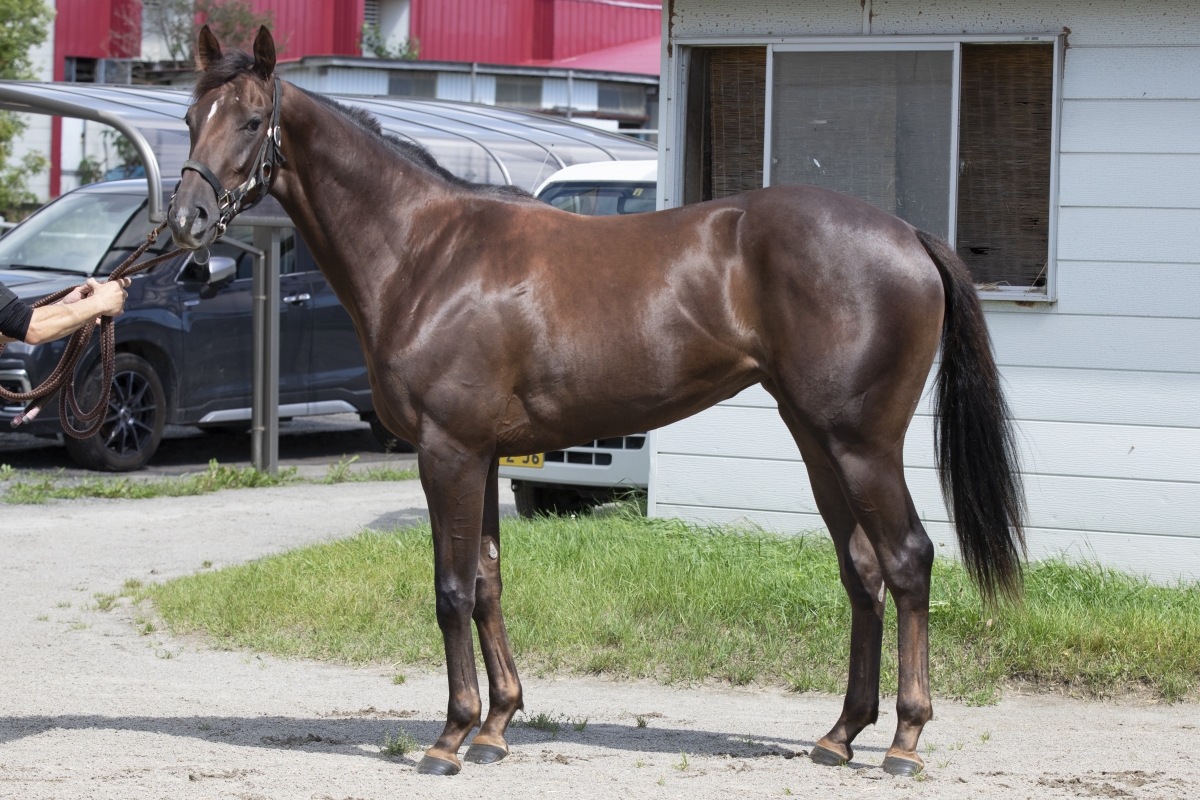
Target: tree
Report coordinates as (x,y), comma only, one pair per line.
(178,23)
(24,24)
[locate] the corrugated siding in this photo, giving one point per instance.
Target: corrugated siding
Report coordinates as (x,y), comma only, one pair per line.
(1104,383)
(584,27)
(491,31)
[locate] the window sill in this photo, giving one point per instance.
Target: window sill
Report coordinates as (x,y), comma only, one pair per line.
(1017,294)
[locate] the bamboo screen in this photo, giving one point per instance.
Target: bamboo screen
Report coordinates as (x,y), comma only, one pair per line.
(1003,230)
(737,83)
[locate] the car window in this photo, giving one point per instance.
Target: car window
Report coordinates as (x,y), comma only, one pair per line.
(131,238)
(72,234)
(294,256)
(601,199)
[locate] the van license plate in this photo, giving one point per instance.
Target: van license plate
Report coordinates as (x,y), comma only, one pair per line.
(534,461)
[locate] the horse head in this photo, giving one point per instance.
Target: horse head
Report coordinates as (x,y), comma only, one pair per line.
(233,124)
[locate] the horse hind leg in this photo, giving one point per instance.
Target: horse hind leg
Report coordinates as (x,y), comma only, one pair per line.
(504,687)
(862,579)
(872,481)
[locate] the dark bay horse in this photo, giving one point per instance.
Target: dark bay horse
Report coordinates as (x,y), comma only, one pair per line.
(489,329)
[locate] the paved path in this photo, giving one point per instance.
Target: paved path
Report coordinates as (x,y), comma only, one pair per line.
(91,709)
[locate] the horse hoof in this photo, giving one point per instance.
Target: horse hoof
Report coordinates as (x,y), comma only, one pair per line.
(902,767)
(826,757)
(484,754)
(437,766)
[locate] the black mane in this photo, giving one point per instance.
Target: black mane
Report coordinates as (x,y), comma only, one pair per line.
(234,63)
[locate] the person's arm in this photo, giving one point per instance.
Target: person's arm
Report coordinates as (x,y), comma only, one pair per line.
(45,324)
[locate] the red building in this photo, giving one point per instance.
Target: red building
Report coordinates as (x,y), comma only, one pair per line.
(98,40)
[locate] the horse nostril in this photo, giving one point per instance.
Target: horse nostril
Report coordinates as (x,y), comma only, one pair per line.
(200,221)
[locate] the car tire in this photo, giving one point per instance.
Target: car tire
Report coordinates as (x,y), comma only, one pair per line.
(390,442)
(541,501)
(133,425)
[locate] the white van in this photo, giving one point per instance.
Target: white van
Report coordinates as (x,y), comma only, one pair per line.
(593,472)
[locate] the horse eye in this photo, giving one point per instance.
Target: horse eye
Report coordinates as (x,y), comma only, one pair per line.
(254,124)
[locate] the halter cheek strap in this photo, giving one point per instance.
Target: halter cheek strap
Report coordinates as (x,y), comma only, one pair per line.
(231,202)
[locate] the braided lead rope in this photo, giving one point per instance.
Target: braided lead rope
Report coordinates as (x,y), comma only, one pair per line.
(63,376)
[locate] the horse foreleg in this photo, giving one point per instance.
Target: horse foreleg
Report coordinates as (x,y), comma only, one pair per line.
(454,481)
(504,687)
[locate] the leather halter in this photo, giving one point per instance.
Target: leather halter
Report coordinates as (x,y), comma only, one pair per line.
(232,202)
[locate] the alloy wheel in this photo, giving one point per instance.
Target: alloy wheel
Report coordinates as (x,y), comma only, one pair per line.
(129,424)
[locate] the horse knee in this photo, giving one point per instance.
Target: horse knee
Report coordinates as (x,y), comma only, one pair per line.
(454,602)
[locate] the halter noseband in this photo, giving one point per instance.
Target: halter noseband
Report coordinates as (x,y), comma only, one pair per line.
(232,202)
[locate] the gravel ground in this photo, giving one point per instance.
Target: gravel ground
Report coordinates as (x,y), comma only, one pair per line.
(91,709)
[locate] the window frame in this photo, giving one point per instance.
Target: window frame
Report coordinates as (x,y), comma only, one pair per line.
(672,188)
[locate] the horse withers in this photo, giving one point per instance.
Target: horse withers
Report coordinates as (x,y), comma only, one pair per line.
(485,320)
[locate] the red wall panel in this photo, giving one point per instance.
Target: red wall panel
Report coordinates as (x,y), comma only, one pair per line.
(581,27)
(491,31)
(96,29)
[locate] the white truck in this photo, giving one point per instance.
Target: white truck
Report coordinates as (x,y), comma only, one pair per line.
(562,481)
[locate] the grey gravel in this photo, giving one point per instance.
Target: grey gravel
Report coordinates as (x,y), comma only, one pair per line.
(89,708)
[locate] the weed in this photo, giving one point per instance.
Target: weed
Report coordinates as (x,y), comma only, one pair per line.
(579,724)
(944,763)
(398,679)
(543,722)
(104,601)
(340,473)
(42,618)
(930,747)
(750,741)
(662,780)
(64,604)
(6,472)
(640,764)
(641,721)
(204,726)
(147,629)
(683,762)
(983,737)
(920,776)
(957,746)
(206,564)
(787,790)
(218,476)
(400,744)
(79,626)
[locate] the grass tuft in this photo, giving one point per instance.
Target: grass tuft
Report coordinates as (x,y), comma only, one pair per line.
(340,473)
(399,744)
(215,478)
(633,597)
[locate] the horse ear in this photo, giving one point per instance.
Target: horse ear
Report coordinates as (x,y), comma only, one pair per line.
(264,53)
(208,48)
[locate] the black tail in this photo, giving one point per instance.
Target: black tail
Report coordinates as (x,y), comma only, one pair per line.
(974,440)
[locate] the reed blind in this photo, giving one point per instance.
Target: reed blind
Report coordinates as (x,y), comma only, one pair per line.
(737,108)
(1006,110)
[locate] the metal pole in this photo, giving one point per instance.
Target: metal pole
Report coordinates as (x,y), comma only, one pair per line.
(264,411)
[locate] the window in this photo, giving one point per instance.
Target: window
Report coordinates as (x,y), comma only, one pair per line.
(411,83)
(601,199)
(955,136)
(515,90)
(622,98)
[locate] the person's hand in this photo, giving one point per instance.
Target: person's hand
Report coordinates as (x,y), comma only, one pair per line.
(111,295)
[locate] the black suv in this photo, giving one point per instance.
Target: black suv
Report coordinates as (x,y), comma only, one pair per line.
(184,341)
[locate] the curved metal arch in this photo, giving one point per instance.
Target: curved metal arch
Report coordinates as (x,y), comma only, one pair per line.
(13,99)
(499,162)
(549,152)
(476,110)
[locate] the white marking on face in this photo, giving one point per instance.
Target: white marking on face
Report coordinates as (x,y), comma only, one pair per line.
(213,110)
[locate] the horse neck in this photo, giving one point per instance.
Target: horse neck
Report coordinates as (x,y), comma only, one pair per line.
(355,202)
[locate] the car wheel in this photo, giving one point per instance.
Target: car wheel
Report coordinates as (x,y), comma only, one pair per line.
(540,501)
(390,442)
(133,425)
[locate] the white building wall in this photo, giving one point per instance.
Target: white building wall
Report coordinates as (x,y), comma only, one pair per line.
(1105,383)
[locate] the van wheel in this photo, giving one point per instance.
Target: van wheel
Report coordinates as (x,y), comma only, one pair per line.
(133,425)
(540,501)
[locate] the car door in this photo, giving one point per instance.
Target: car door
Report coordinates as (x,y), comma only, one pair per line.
(218,337)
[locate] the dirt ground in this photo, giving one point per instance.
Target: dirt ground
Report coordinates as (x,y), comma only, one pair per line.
(89,708)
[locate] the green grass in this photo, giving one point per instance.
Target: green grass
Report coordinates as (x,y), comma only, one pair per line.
(631,597)
(40,488)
